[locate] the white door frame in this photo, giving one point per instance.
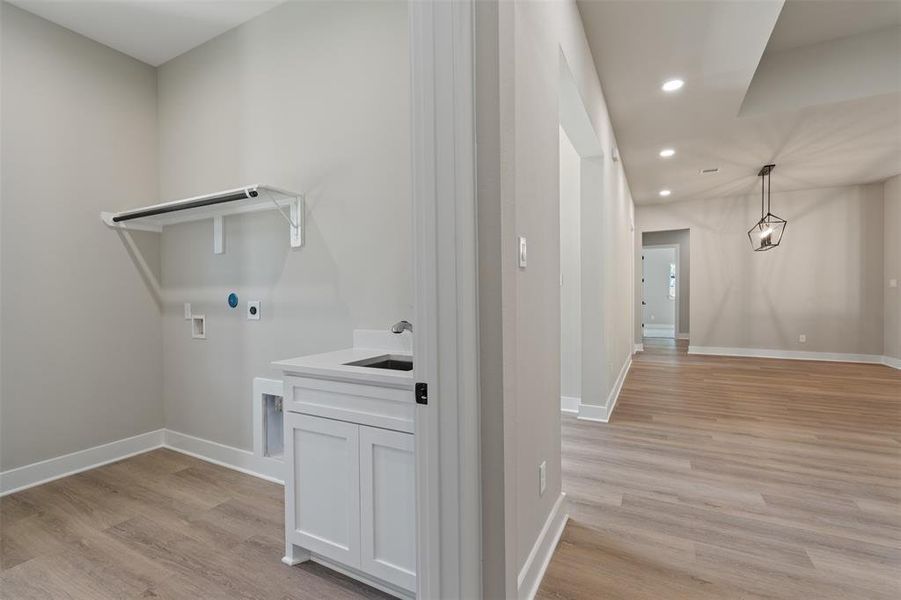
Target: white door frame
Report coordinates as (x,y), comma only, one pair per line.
(445,341)
(675,248)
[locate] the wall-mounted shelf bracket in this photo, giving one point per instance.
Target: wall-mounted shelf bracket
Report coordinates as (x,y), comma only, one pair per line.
(296,222)
(215,206)
(218,235)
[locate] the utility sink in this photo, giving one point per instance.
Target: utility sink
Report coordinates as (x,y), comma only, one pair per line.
(385,361)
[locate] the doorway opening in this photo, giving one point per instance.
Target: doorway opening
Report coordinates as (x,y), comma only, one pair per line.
(659,281)
(584,246)
(665,295)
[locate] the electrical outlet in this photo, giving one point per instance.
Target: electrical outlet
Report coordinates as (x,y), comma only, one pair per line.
(253,310)
(802,338)
(198,327)
(187,311)
(542,477)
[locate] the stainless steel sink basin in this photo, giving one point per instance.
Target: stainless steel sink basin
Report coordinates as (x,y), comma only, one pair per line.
(386,361)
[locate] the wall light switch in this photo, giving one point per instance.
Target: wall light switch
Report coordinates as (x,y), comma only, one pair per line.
(187,311)
(523,253)
(802,338)
(253,310)
(893,283)
(542,477)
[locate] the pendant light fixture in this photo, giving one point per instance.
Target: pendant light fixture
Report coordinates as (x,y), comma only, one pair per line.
(767,233)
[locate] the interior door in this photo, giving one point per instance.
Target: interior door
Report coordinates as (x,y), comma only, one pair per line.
(644,295)
(659,287)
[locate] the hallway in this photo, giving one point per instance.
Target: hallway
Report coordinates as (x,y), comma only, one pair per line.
(735,478)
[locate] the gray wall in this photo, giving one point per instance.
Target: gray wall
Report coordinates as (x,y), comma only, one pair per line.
(682,238)
(892,239)
(81,342)
(570,271)
(518,61)
(824,280)
(314,97)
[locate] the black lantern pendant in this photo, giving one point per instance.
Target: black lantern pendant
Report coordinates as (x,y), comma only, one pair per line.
(767,233)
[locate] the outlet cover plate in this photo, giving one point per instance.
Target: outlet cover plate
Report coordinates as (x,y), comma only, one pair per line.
(253,310)
(198,327)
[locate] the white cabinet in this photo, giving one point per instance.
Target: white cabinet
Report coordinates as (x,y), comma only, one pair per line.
(388,506)
(350,496)
(322,494)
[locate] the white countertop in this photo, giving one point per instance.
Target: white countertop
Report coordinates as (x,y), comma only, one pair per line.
(332,365)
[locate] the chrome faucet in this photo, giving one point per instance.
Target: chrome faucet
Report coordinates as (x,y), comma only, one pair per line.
(402,326)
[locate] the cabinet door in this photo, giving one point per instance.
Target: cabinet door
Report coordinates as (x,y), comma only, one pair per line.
(322,492)
(388,506)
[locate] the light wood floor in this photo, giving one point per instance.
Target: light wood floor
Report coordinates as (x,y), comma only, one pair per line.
(722,478)
(717,478)
(159,525)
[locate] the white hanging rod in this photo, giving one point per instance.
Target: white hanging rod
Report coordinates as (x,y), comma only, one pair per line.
(187,203)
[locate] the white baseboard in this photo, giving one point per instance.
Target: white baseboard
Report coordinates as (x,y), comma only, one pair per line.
(244,461)
(659,331)
(570,404)
(891,361)
(361,576)
(45,471)
(593,412)
(21,478)
(638,348)
(682,336)
(618,387)
(787,354)
(602,413)
(532,572)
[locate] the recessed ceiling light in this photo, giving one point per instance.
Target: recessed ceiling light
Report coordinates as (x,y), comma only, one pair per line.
(672,85)
(667,152)
(665,193)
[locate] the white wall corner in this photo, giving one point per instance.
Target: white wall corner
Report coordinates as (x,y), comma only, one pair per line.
(45,471)
(237,459)
(601,413)
(592,412)
(618,387)
(570,404)
(891,361)
(532,572)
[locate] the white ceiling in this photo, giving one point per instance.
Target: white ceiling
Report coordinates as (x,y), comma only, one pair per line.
(152,31)
(821,98)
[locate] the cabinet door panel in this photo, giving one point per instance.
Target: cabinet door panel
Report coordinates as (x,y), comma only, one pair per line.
(322,498)
(388,506)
